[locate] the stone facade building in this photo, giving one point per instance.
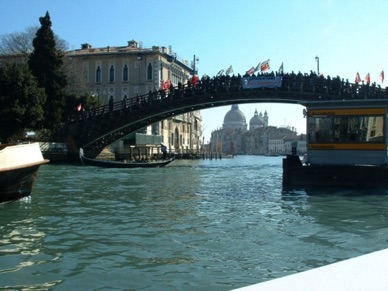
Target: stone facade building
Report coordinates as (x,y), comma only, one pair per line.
(131,70)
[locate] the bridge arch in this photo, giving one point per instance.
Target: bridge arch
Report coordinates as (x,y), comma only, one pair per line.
(95,129)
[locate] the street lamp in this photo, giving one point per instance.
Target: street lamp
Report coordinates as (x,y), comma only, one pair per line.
(195,61)
(317,59)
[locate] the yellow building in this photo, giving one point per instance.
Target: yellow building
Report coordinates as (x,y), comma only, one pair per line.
(131,70)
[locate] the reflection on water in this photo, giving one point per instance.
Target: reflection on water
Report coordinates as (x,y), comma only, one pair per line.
(194,225)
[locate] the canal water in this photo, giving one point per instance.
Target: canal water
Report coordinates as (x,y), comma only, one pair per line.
(193,225)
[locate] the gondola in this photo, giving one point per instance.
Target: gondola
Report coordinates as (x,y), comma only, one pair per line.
(117,164)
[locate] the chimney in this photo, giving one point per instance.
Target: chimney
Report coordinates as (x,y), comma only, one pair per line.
(132,43)
(85,46)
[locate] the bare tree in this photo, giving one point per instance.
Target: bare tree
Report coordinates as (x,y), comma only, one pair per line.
(17,46)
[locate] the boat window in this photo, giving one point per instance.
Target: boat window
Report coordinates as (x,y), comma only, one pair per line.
(348,129)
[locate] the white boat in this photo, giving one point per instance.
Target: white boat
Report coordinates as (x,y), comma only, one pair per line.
(19,164)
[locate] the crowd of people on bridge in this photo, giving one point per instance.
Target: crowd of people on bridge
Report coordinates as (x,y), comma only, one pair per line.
(307,82)
(317,86)
(324,87)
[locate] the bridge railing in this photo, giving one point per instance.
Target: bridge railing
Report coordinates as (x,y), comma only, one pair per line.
(322,88)
(333,87)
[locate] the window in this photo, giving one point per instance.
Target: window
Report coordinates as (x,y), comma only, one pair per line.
(125,73)
(111,74)
(98,74)
(85,74)
(149,72)
(345,129)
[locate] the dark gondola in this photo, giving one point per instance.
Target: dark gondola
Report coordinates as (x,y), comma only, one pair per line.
(118,164)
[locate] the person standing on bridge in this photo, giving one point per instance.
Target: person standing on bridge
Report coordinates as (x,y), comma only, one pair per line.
(111,104)
(124,104)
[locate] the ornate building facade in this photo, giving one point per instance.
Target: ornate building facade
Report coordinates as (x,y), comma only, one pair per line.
(260,139)
(131,70)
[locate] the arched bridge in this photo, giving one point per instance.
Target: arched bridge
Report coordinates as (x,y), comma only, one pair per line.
(95,129)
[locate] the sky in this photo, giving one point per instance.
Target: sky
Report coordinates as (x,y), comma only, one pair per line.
(348,37)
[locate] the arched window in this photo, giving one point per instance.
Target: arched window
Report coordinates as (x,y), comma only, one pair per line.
(125,73)
(111,74)
(149,72)
(98,74)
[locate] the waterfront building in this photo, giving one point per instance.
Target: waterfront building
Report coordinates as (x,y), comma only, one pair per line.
(260,139)
(121,72)
(300,143)
(276,146)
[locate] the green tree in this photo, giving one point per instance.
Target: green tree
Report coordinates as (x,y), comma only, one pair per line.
(21,101)
(45,63)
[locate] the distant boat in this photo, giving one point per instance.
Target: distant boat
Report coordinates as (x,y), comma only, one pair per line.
(118,164)
(19,164)
(227,156)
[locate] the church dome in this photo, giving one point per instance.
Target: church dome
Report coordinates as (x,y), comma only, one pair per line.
(235,119)
(258,120)
(255,121)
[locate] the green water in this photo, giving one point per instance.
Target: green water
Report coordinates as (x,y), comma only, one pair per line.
(193,225)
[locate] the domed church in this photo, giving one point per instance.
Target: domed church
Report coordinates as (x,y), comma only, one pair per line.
(234,138)
(235,119)
(258,120)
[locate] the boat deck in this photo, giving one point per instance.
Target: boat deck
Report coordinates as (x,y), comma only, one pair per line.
(366,272)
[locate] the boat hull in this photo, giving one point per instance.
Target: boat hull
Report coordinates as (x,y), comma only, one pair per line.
(17,183)
(116,164)
(19,164)
(297,175)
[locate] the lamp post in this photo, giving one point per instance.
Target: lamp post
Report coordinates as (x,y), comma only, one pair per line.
(194,61)
(317,59)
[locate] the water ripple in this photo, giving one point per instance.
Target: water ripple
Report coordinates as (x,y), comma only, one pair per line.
(213,224)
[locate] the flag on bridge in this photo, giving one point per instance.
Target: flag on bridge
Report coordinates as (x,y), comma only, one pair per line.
(382,76)
(166,85)
(250,71)
(229,70)
(280,71)
(195,80)
(367,79)
(220,72)
(257,67)
(358,78)
(264,66)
